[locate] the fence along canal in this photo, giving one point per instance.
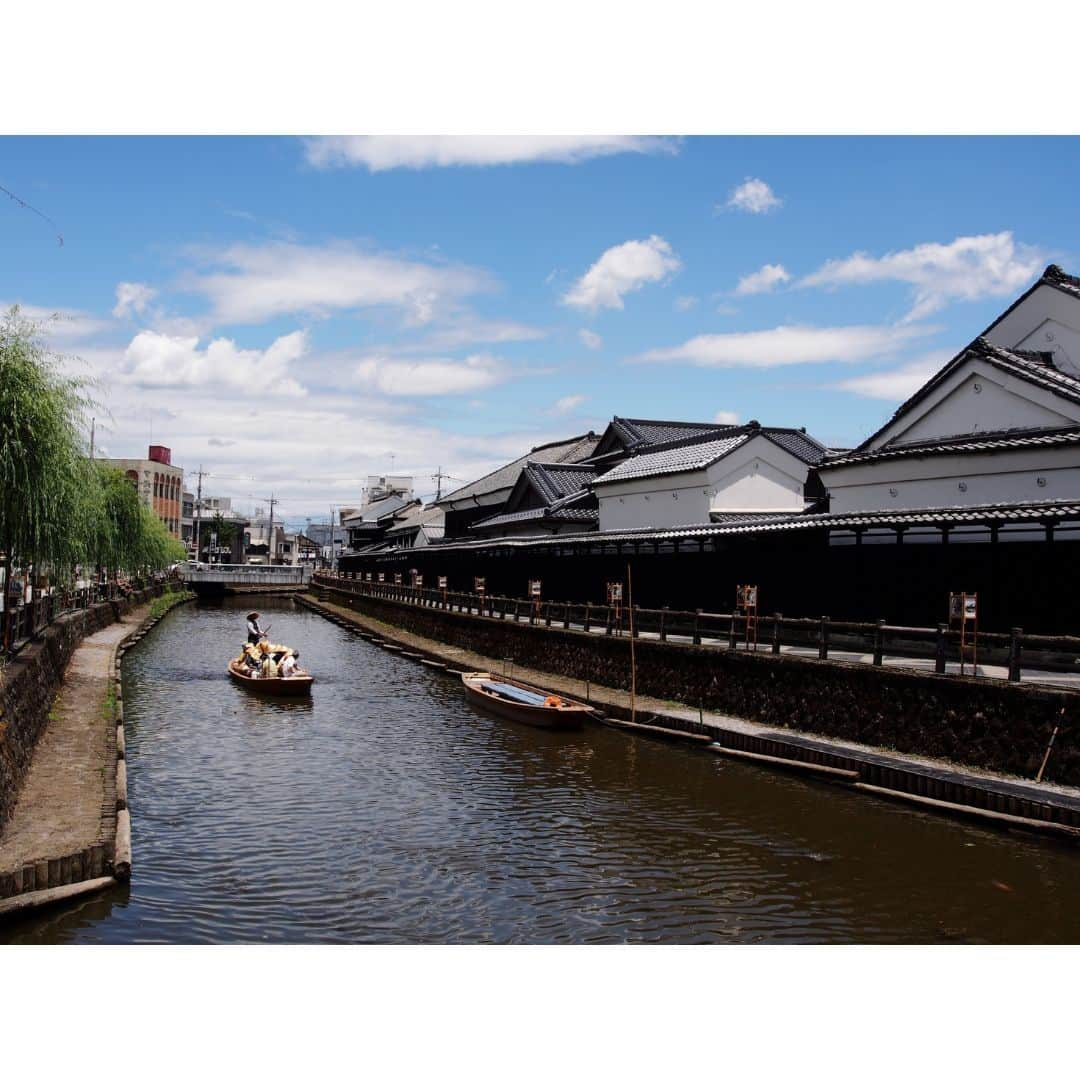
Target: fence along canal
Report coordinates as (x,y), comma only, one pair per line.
(388,810)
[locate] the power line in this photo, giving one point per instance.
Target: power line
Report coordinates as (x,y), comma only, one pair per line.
(33,210)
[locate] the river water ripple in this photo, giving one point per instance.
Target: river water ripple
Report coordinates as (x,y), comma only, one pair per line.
(388,809)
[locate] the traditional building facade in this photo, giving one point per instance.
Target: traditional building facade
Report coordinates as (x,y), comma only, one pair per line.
(998,425)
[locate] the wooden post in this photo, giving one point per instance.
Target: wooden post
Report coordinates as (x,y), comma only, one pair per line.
(1014,654)
(823,639)
(697,626)
(777,620)
(879,643)
(633,634)
(663,628)
(588,616)
(566,618)
(939,648)
(731,631)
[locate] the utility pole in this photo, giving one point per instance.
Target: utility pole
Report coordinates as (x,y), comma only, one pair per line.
(270,534)
(198,509)
(93,425)
(439,477)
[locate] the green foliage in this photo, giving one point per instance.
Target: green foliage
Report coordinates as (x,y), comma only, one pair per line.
(45,514)
(57,507)
(163,603)
(225,530)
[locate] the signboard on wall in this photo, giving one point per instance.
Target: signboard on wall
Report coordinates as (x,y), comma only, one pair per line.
(534,589)
(442,582)
(478,584)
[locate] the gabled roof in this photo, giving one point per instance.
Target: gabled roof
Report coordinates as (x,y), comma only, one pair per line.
(418,517)
(702,448)
(376,510)
(504,477)
(579,506)
(697,455)
(983,442)
(1035,368)
(1053,276)
(555,481)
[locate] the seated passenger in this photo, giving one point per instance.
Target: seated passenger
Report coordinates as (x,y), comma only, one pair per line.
(269,668)
(288,666)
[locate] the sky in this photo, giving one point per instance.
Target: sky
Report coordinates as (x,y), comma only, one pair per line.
(294,314)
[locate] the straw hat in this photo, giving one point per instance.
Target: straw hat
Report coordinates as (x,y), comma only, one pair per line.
(253,614)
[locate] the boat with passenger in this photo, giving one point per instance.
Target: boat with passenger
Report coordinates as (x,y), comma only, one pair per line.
(515,700)
(275,686)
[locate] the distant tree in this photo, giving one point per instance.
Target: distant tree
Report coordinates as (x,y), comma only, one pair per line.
(226,532)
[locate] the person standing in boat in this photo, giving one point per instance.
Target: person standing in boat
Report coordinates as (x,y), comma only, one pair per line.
(254,631)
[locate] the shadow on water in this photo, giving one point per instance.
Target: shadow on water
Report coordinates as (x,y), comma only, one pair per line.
(387,809)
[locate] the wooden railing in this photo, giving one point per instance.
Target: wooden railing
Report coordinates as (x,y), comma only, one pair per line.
(823,637)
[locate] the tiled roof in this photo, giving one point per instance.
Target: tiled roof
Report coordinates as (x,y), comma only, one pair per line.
(554,481)
(680,459)
(657,432)
(377,509)
(984,442)
(796,442)
(1053,276)
(416,517)
(573,507)
(993,513)
(504,477)
(1032,367)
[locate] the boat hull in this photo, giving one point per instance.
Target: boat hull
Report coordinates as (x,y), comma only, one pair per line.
(570,717)
(297,686)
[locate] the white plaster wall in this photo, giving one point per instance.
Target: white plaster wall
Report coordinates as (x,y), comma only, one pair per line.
(757,476)
(955,408)
(1046,310)
(1004,477)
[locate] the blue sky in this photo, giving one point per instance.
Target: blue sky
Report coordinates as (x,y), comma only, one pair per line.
(305,312)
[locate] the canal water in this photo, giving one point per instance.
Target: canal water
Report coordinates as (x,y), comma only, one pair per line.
(388,809)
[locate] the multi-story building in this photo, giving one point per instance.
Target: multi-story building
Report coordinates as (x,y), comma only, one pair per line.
(159,482)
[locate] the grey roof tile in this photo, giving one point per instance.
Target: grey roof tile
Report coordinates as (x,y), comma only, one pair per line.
(504,477)
(680,459)
(984,442)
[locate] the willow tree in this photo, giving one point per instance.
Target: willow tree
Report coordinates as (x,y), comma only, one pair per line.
(47,486)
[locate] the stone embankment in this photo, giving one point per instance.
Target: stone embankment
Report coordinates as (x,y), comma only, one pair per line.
(958,744)
(63,782)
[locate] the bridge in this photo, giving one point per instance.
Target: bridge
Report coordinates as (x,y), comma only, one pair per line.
(218,578)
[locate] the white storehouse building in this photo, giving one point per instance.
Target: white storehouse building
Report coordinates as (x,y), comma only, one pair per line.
(998,425)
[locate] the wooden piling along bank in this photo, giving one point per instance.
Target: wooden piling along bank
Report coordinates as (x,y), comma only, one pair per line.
(108,861)
(936,785)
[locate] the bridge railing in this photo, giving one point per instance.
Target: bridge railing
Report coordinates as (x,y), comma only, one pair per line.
(245,574)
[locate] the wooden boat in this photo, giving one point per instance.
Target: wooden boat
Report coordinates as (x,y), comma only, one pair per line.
(295,686)
(514,700)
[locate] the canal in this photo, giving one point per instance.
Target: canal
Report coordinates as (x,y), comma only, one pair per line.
(389,810)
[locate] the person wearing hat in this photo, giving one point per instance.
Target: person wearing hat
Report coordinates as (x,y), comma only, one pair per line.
(254,630)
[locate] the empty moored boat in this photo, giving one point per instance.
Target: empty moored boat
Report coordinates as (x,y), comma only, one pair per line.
(294,686)
(518,701)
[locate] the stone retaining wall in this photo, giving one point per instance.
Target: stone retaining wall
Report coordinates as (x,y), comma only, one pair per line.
(29,683)
(973,722)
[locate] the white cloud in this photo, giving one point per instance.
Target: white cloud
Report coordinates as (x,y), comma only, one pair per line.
(60,325)
(899,383)
(425,378)
(568,404)
(724,416)
(590,339)
(787,345)
(380,152)
(154,360)
(753,196)
(620,270)
(132,297)
(250,284)
(969,268)
(461,332)
(685,303)
(762,281)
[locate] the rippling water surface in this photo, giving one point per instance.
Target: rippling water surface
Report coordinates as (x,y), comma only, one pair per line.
(390,810)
